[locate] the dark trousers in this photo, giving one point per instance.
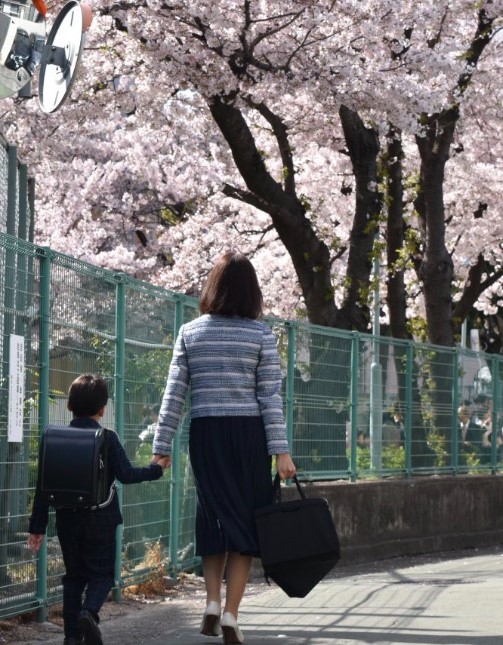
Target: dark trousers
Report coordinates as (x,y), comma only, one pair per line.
(89,557)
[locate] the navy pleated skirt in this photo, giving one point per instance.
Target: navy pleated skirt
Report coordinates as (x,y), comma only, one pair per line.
(232,471)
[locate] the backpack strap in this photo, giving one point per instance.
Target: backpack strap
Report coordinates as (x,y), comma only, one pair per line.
(104,463)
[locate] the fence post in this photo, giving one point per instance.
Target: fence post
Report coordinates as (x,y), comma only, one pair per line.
(10,482)
(120,346)
(23,224)
(44,255)
(175,488)
(495,426)
(455,404)
(408,410)
(355,345)
(18,476)
(11,189)
(22,278)
(31,203)
(290,382)
(10,254)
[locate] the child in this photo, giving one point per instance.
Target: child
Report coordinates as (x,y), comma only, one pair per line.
(87,537)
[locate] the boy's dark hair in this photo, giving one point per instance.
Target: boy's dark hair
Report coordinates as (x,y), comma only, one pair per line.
(232,288)
(87,394)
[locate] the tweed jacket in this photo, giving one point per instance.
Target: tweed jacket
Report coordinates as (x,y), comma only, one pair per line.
(232,367)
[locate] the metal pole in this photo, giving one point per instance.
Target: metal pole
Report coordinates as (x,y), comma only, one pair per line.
(11,190)
(290,382)
(9,481)
(353,467)
(461,356)
(119,377)
(44,255)
(463,333)
(31,202)
(10,255)
(22,228)
(494,420)
(376,374)
(175,488)
(454,424)
(18,452)
(408,411)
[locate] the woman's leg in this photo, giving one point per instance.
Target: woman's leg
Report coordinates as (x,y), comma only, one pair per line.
(237,574)
(213,572)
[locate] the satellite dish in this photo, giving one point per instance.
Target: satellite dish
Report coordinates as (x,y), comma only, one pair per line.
(61,56)
(22,41)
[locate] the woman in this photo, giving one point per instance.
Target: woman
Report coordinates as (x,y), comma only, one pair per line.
(231,362)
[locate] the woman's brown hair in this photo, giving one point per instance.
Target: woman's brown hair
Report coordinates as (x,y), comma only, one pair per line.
(232,288)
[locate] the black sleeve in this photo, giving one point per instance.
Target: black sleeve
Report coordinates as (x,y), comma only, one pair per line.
(40,511)
(122,468)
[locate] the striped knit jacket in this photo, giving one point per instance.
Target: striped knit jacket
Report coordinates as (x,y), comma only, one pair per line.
(232,367)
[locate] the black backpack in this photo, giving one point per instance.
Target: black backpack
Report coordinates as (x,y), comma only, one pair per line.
(74,468)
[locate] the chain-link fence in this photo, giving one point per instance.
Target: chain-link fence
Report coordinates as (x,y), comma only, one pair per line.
(356,406)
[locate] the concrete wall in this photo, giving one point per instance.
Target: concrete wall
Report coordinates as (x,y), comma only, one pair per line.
(381,519)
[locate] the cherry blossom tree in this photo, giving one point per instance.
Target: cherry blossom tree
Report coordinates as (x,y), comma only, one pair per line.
(296,131)
(195,126)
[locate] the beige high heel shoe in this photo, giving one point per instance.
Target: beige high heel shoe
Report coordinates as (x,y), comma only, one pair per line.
(231,632)
(210,625)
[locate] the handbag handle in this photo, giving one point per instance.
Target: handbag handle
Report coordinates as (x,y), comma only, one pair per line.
(276,488)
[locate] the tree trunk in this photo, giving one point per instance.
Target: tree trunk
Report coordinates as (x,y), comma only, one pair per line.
(397,294)
(310,255)
(434,146)
(436,268)
(436,271)
(363,147)
(421,454)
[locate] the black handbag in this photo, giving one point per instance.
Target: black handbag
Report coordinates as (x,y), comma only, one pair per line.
(74,468)
(298,541)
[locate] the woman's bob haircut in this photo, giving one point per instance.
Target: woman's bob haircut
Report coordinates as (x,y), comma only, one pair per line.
(232,288)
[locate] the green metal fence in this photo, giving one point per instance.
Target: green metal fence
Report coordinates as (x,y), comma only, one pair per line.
(340,391)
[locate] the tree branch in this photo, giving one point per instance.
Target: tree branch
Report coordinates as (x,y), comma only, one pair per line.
(280,131)
(246,197)
(475,286)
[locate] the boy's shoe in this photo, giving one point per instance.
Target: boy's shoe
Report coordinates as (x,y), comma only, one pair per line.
(89,628)
(73,640)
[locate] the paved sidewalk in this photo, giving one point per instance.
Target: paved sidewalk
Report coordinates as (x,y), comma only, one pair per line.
(434,600)
(454,602)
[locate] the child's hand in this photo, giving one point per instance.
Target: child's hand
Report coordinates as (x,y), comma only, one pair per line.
(163,461)
(34,542)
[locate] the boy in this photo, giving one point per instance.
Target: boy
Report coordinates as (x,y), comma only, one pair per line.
(87,537)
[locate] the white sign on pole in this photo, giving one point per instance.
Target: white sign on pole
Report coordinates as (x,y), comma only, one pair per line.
(16,388)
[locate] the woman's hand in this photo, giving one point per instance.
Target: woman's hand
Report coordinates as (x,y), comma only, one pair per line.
(285,466)
(163,460)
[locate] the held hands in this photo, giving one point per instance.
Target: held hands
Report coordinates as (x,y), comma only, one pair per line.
(34,542)
(285,466)
(163,460)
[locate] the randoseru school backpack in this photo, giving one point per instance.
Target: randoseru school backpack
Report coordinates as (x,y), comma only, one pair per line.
(74,468)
